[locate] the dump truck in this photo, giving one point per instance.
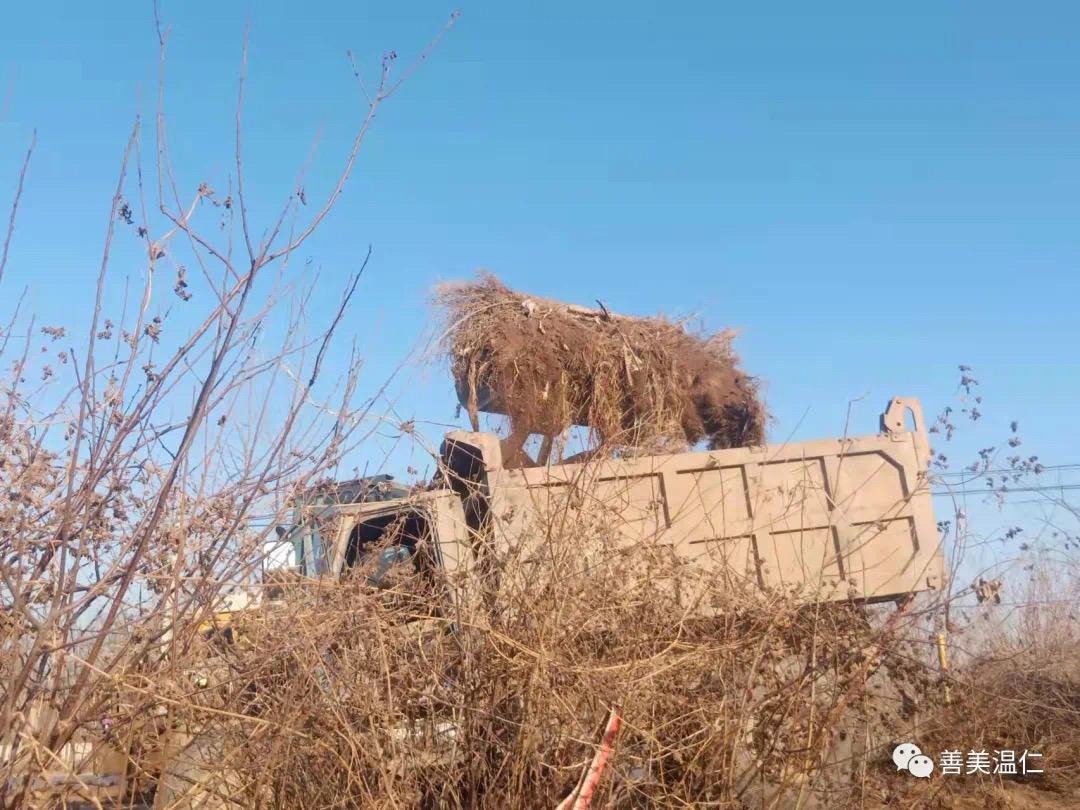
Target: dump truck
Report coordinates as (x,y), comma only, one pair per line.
(827,520)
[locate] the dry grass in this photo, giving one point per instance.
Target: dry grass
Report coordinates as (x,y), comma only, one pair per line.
(334,681)
(635,381)
(1019,686)
(347,696)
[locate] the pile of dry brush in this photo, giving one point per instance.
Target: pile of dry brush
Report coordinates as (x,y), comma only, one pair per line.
(348,696)
(635,381)
(356,698)
(1020,690)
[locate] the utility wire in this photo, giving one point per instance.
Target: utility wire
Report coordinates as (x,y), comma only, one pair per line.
(948,493)
(1006,471)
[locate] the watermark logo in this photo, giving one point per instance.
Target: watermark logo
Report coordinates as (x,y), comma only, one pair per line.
(921,766)
(903,753)
(909,757)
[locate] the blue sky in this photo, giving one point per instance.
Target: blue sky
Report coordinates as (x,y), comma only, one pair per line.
(872,195)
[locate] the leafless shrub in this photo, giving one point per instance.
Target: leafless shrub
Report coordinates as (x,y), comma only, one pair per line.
(368,698)
(133,462)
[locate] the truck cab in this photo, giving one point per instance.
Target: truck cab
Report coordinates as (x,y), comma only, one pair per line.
(374,525)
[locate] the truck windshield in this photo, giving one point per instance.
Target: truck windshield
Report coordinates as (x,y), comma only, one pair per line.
(314,519)
(390,545)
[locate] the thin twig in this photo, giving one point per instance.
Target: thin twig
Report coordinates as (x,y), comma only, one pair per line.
(15,204)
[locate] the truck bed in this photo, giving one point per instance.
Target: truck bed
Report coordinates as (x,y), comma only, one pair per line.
(824,520)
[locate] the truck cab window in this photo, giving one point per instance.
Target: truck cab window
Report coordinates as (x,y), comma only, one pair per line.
(397,542)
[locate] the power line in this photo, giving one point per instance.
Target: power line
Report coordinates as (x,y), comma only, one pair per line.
(946,493)
(1031,502)
(1007,471)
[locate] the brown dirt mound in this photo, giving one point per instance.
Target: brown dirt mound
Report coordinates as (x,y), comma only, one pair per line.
(635,381)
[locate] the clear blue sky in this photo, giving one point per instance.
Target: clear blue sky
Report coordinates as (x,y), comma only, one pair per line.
(874,195)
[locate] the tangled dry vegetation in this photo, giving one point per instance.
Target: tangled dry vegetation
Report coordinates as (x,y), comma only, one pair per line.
(355,698)
(131,468)
(635,381)
(1018,688)
(347,696)
(352,697)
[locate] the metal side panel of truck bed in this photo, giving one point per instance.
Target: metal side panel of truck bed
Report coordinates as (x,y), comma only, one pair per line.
(828,520)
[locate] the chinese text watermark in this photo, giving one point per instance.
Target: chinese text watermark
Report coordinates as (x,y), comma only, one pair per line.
(909,757)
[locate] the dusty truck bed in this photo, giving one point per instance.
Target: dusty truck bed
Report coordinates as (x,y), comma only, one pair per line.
(829,520)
